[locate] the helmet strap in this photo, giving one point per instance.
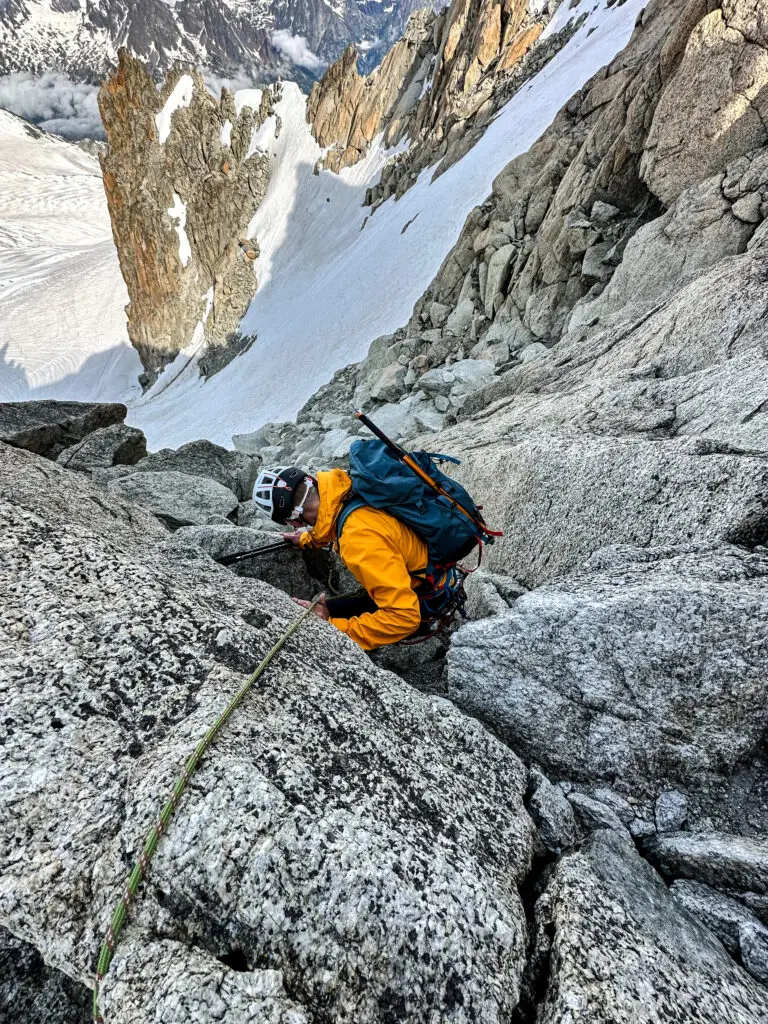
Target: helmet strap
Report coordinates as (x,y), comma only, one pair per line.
(298,510)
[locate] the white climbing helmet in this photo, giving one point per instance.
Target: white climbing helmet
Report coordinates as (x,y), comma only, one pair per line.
(275,492)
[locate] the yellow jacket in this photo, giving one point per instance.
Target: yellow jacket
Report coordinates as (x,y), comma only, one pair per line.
(381,553)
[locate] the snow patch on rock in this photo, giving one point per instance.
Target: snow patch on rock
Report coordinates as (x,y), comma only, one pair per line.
(178,212)
(181,96)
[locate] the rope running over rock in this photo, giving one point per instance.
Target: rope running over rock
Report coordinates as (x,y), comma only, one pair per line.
(141,866)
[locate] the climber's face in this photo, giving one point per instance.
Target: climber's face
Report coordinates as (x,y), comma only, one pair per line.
(308,516)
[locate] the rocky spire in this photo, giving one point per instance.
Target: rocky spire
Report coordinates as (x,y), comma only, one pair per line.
(181,187)
(440,85)
(347,111)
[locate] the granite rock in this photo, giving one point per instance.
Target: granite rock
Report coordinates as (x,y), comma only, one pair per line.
(48,427)
(722,914)
(117,445)
(671,810)
(717,859)
(236,470)
(177,499)
(552,814)
(622,950)
(347,839)
(601,678)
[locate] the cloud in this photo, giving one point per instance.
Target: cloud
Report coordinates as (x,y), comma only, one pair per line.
(240,79)
(54,103)
(296,49)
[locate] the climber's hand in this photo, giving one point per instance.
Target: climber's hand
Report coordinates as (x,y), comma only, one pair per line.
(293,537)
(320,609)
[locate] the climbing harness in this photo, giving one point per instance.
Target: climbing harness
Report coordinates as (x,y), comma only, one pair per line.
(141,866)
(440,601)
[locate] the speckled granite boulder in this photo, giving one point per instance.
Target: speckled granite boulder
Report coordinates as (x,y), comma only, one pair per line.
(177,499)
(714,858)
(232,469)
(722,914)
(622,950)
(354,846)
(646,668)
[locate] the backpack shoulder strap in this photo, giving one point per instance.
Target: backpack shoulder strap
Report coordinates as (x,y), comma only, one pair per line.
(442,458)
(352,504)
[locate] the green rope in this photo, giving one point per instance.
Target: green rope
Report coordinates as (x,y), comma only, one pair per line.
(141,866)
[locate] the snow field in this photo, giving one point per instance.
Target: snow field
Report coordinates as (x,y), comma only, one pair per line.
(329,285)
(62,300)
(178,213)
(331,277)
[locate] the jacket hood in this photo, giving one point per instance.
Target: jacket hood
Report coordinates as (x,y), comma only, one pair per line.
(333,487)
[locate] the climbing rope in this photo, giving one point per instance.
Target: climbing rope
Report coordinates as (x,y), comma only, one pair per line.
(141,866)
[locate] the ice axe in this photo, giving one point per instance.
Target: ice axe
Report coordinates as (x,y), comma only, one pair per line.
(265,549)
(402,456)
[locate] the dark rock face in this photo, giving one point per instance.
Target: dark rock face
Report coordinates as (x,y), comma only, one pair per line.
(299,574)
(32,993)
(48,427)
(181,189)
(358,847)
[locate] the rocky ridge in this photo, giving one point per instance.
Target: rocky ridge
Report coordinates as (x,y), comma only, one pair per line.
(577,308)
(182,185)
(346,111)
(440,86)
(605,826)
(223,36)
(594,349)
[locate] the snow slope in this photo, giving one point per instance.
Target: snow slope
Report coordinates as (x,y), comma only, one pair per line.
(62,299)
(329,286)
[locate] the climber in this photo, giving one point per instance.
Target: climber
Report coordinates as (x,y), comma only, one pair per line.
(382,553)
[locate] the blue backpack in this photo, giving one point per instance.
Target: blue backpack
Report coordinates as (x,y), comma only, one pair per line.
(382,481)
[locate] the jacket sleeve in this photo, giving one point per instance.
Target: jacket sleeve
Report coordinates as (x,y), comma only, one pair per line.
(308,540)
(375,561)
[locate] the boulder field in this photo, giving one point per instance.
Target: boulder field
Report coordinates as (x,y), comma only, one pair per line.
(353,848)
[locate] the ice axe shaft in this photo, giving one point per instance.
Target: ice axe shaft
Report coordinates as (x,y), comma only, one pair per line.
(253,553)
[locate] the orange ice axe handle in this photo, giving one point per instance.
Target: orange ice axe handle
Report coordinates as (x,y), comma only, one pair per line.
(405,458)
